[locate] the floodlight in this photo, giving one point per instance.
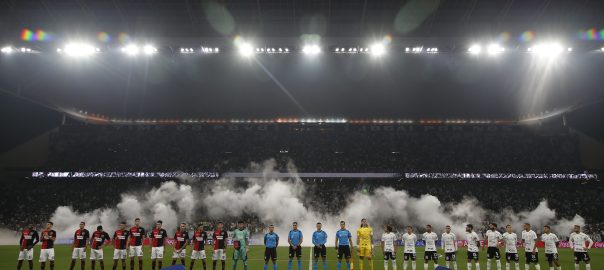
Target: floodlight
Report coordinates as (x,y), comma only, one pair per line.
(311,49)
(131,49)
(149,49)
(246,49)
(79,49)
(7,50)
(378,49)
(494,49)
(475,49)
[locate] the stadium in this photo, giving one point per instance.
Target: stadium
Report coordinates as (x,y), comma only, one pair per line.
(348,135)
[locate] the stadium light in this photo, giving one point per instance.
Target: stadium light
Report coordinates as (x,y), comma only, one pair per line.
(378,49)
(150,49)
(311,49)
(7,50)
(494,49)
(246,49)
(602,49)
(78,49)
(475,49)
(131,50)
(547,49)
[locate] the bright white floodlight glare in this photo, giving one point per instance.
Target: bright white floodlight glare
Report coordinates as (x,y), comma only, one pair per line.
(149,49)
(7,50)
(495,49)
(79,49)
(602,49)
(246,49)
(475,49)
(311,49)
(378,49)
(131,49)
(548,49)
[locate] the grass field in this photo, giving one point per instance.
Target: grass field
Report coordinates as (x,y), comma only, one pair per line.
(8,259)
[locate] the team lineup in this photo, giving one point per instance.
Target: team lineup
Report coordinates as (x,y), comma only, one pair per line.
(128,243)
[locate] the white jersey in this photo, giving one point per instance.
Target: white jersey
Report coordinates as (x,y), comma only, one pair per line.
(577,241)
(430,239)
(389,239)
(409,240)
(530,239)
(449,242)
(472,238)
(493,238)
(510,240)
(550,241)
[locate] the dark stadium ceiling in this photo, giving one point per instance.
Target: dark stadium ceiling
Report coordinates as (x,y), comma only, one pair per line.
(292,18)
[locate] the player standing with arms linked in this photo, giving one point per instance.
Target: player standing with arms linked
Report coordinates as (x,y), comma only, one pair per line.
(47,250)
(137,237)
(577,241)
(493,240)
(97,241)
(181,240)
(409,240)
(510,240)
(449,244)
(199,241)
(551,242)
(120,243)
(343,245)
(365,244)
(388,248)
(473,246)
(80,242)
(271,242)
(219,238)
(529,239)
(29,238)
(430,238)
(319,238)
(158,237)
(295,238)
(241,242)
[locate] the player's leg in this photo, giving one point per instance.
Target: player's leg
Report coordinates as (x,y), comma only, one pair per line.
(193,256)
(368,256)
(498,258)
(469,262)
(556,261)
(291,257)
(405,260)
(426,259)
(183,257)
(386,258)
(30,258)
(586,259)
(235,259)
(413,261)
(361,254)
(315,258)
(340,254)
(324,256)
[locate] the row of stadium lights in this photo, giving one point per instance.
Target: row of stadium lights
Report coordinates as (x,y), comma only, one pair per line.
(247,49)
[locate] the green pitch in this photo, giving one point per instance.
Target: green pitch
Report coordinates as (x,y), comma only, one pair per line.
(8,259)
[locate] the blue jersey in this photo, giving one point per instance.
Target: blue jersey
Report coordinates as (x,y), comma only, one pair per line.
(271,240)
(295,236)
(343,235)
(319,238)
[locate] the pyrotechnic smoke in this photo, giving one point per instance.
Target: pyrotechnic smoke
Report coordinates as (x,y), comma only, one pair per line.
(280,202)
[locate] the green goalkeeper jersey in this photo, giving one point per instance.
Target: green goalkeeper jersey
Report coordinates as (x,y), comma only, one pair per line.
(242,236)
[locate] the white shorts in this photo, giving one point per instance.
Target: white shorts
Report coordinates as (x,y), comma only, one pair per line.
(47,254)
(96,254)
(219,254)
(26,254)
(198,255)
(78,253)
(181,254)
(157,253)
(136,251)
(119,254)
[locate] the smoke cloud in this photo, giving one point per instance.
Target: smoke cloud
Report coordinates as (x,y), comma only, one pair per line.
(280,202)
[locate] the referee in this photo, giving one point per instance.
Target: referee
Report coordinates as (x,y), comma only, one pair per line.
(319,238)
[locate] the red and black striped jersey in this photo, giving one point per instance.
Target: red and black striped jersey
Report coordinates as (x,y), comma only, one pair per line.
(158,237)
(99,238)
(80,238)
(48,239)
(219,239)
(28,238)
(136,236)
(180,237)
(199,240)
(120,238)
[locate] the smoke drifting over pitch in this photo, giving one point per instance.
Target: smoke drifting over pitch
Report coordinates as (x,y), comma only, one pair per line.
(281,202)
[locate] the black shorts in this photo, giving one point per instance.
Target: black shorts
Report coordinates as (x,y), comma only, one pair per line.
(430,255)
(473,255)
(320,252)
(270,254)
(409,256)
(389,255)
(531,258)
(551,257)
(512,257)
(450,256)
(582,256)
(295,252)
(344,252)
(493,252)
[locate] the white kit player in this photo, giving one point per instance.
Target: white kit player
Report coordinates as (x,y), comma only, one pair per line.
(493,239)
(409,239)
(510,242)
(449,245)
(388,249)
(430,238)
(473,246)
(551,242)
(529,240)
(577,242)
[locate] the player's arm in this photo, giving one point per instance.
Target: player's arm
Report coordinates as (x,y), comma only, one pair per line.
(301,239)
(315,242)
(371,241)
(591,242)
(36,240)
(265,238)
(350,240)
(289,239)
(358,237)
(382,244)
(53,237)
(277,241)
(336,244)
(21,241)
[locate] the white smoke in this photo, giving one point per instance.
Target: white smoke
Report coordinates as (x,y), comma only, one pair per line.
(280,202)
(8,237)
